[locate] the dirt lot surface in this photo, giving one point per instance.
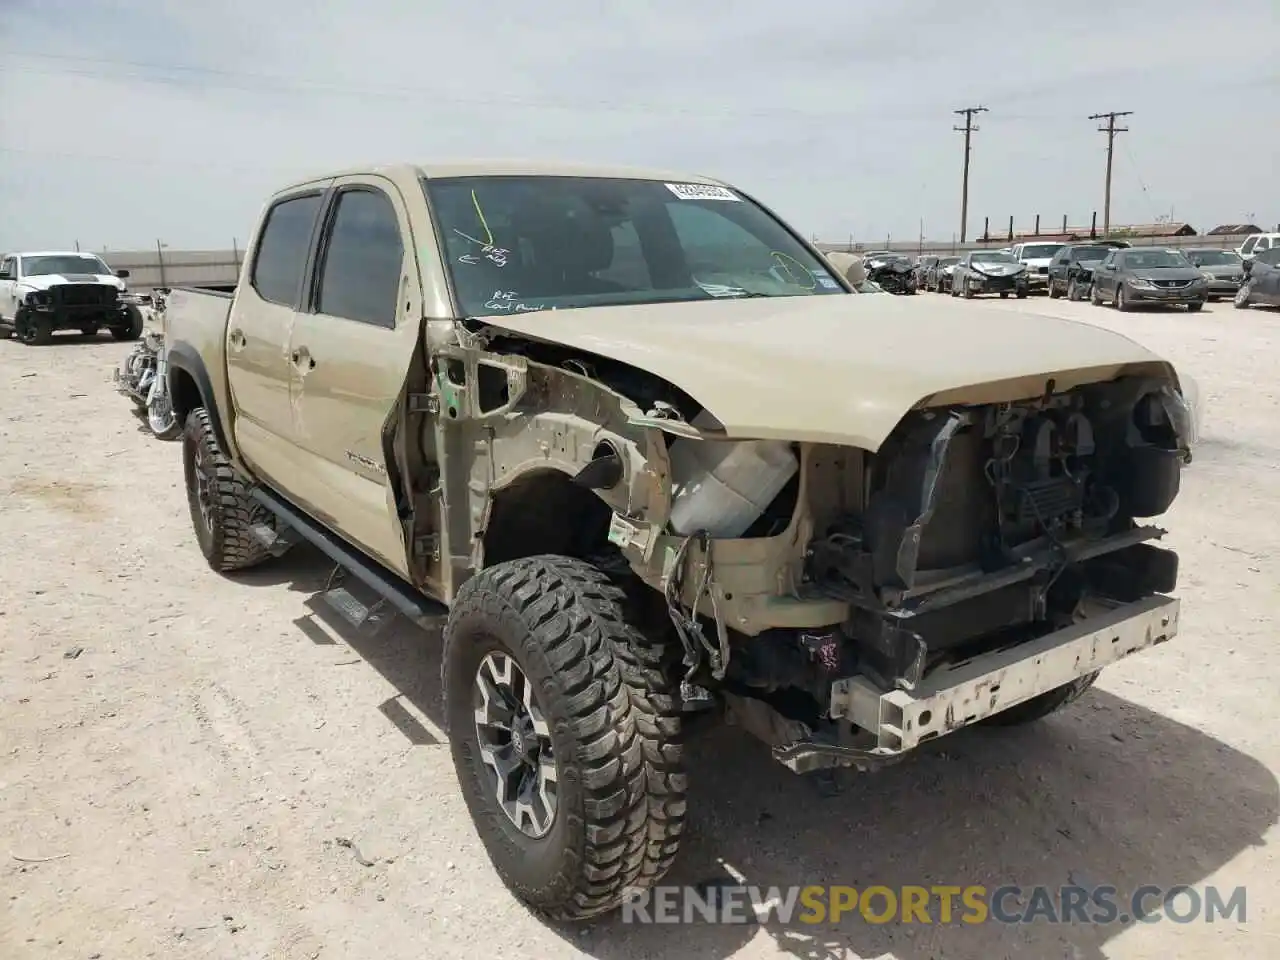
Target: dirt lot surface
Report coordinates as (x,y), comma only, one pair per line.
(194,765)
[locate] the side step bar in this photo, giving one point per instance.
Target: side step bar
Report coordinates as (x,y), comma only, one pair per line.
(399,594)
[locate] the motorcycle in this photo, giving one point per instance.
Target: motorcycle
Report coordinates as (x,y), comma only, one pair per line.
(892,274)
(143,377)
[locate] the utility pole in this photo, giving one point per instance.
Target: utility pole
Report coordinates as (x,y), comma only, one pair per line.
(968,130)
(1110,130)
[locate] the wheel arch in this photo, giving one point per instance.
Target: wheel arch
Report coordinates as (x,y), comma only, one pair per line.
(190,386)
(543,511)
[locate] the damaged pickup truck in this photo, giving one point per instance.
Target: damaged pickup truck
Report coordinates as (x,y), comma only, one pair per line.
(656,458)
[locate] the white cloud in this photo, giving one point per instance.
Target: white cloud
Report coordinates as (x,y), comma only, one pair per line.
(840,118)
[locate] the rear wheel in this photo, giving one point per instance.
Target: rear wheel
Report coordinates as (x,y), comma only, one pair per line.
(557,728)
(1040,707)
(222,511)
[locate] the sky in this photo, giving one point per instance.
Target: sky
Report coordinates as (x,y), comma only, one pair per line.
(124,122)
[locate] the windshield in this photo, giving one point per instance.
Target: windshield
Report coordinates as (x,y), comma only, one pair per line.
(519,244)
(1214,258)
(1089,254)
(992,256)
(1153,259)
(63,263)
(1040,251)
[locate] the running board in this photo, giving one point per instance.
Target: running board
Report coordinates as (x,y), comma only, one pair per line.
(399,594)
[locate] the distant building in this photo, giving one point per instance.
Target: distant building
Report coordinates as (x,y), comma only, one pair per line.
(1233,229)
(1131,231)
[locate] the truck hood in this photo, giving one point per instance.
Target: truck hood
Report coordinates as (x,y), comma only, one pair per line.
(1035,263)
(47,280)
(840,369)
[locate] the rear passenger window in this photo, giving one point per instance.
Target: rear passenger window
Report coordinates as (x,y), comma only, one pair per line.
(361,275)
(282,250)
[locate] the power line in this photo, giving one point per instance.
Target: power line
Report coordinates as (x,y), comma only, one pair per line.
(1110,130)
(968,130)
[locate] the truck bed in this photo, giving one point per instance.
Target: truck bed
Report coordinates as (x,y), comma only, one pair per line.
(196,329)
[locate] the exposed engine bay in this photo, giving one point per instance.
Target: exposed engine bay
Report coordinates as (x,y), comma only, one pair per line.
(973,529)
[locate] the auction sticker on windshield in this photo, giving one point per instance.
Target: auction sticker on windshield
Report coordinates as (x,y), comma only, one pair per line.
(702,191)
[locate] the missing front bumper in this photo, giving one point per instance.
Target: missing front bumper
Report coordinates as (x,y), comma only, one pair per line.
(961,694)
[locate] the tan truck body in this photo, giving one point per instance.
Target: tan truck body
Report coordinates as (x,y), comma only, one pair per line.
(426,450)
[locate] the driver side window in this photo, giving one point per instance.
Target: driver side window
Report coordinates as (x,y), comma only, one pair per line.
(7,268)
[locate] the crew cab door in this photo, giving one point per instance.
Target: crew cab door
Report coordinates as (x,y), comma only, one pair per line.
(353,341)
(8,288)
(258,331)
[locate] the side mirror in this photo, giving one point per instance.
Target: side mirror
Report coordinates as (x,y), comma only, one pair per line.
(122,274)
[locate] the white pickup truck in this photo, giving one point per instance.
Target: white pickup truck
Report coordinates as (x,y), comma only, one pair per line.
(41,293)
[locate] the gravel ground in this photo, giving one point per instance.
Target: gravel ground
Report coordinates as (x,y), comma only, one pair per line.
(204,768)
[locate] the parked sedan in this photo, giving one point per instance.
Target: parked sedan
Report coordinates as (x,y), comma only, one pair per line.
(1262,280)
(1224,268)
(989,271)
(1071,269)
(1126,277)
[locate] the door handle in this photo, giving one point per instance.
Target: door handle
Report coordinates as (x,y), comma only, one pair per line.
(238,339)
(303,358)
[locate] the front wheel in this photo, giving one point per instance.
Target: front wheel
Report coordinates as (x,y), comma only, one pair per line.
(1241,300)
(33,329)
(1195,307)
(557,751)
(1053,290)
(1094,297)
(1121,301)
(131,328)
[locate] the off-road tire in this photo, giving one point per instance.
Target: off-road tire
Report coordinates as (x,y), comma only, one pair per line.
(651,669)
(34,331)
(565,624)
(132,328)
(227,542)
(1037,708)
